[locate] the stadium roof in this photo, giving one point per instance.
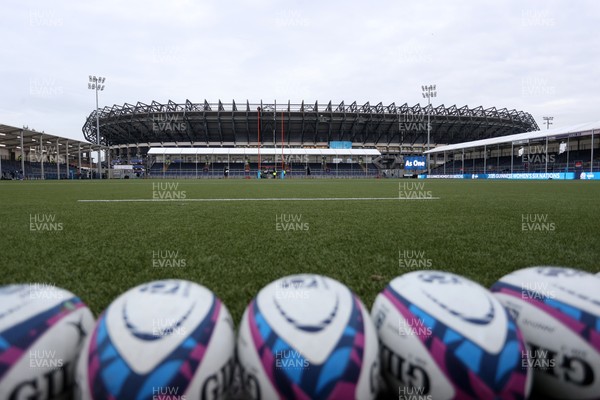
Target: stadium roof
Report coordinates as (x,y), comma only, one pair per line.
(10,138)
(584,129)
(237,124)
(240,151)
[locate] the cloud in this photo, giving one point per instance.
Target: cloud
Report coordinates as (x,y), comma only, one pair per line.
(536,56)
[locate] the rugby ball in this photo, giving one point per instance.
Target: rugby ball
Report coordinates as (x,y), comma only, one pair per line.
(169,339)
(558,311)
(307,337)
(443,336)
(42,329)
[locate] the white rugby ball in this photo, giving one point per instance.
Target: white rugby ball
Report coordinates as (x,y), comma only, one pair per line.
(558,311)
(170,339)
(308,337)
(443,336)
(42,329)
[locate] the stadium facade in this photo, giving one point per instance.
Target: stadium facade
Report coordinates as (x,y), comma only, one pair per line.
(131,131)
(305,124)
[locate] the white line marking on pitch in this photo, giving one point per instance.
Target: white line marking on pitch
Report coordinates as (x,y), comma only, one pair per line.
(254,199)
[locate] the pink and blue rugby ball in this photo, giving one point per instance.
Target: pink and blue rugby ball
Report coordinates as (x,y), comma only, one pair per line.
(42,329)
(443,337)
(308,337)
(558,311)
(170,339)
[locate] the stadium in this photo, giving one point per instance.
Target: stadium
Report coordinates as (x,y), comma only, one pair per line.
(215,140)
(281,131)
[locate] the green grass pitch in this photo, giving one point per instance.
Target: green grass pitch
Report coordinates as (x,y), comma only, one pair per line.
(97,250)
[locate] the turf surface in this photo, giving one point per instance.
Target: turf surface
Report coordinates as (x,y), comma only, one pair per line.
(100,249)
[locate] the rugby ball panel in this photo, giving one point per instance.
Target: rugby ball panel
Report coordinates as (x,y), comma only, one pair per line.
(475,348)
(175,339)
(160,312)
(369,381)
(214,376)
(565,285)
(558,311)
(292,374)
(41,333)
(251,363)
(308,336)
(444,297)
(415,367)
(312,309)
(82,387)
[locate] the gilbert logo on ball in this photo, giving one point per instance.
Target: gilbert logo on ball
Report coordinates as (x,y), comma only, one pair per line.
(308,336)
(42,329)
(447,337)
(558,311)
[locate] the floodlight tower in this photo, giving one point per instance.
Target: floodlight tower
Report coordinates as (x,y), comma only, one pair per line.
(548,121)
(97,84)
(428,92)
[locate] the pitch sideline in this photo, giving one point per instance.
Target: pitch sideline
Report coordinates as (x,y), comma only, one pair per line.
(253,199)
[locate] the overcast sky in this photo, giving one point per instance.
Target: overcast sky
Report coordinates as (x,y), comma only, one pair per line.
(540,56)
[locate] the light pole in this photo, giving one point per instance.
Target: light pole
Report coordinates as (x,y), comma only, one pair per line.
(548,121)
(428,92)
(96,84)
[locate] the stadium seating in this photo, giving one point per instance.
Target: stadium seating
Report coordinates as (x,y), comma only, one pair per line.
(11,169)
(239,170)
(503,164)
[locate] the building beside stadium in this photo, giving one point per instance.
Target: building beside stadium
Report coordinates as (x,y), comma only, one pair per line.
(215,140)
(559,153)
(26,153)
